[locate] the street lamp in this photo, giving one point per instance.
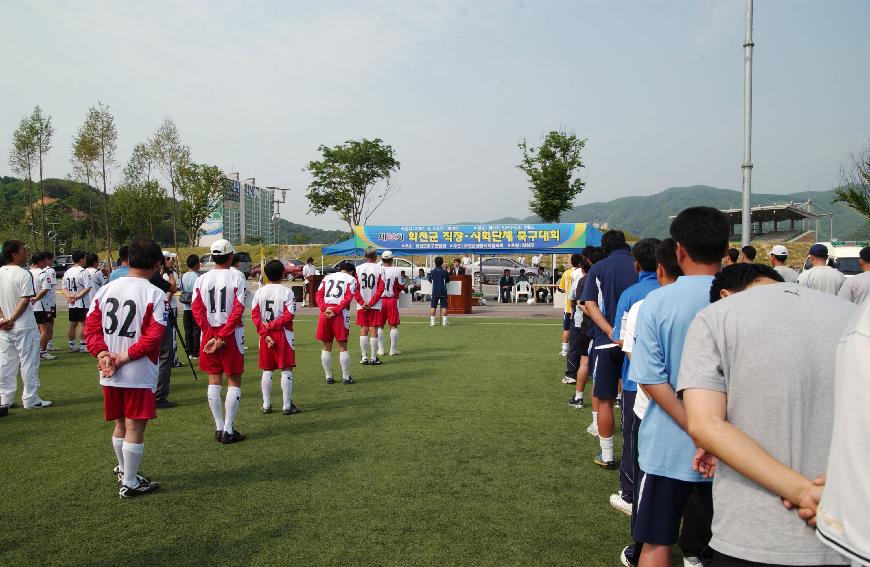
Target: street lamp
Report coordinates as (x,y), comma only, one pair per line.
(275,210)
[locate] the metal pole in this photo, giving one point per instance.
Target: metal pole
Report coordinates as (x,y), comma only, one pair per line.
(746,235)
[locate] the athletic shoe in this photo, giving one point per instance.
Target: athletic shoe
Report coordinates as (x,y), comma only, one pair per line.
(617,502)
(330,380)
(607,465)
(575,402)
(619,402)
(244,348)
(431,324)
(364,361)
(51,346)
(569,380)
(627,556)
(38,405)
(177,364)
(165,404)
(592,429)
(83,349)
(349,380)
(563,353)
(234,437)
(375,362)
(120,474)
(73,349)
(293,409)
(380,352)
(138,490)
(692,561)
(446,323)
(395,352)
(266,410)
(193,357)
(47,356)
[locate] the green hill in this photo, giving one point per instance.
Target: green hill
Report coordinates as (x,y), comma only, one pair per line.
(292,233)
(650,215)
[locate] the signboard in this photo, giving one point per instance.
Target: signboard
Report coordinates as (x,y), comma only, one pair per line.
(491,237)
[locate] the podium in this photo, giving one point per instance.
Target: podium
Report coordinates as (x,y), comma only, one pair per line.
(313,286)
(459,303)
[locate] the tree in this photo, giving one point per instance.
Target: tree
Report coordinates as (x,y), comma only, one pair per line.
(42,131)
(22,158)
(102,123)
(551,169)
(855,183)
(86,153)
(202,188)
(143,192)
(347,178)
(171,156)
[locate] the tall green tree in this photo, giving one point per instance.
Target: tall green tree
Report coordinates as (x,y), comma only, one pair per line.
(85,156)
(352,179)
(855,183)
(22,159)
(551,169)
(101,122)
(42,132)
(172,157)
(202,189)
(141,189)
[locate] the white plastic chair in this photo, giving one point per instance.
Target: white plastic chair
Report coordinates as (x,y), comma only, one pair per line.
(522,288)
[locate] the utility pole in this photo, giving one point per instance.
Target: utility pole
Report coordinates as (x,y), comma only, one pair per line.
(746,215)
(276,211)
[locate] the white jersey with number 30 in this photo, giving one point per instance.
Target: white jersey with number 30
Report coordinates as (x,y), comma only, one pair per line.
(370,277)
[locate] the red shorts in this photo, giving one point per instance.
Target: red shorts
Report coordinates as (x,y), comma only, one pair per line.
(279,356)
(333,329)
(228,360)
(130,403)
(368,317)
(389,312)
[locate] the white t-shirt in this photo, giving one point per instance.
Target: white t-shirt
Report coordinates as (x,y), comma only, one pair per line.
(628,334)
(15,283)
(822,278)
(94,279)
(74,282)
(309,270)
(369,275)
(173,304)
(392,277)
(131,311)
(42,281)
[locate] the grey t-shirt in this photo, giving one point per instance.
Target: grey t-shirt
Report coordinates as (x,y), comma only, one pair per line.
(771,349)
(788,275)
(822,278)
(856,289)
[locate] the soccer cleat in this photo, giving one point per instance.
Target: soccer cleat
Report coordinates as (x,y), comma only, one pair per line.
(627,556)
(120,474)
(592,429)
(432,323)
(576,402)
(83,348)
(234,437)
(446,323)
(38,405)
(607,465)
(291,410)
(166,404)
(569,380)
(266,410)
(618,503)
(177,364)
(364,361)
(218,435)
(375,362)
(619,402)
(73,349)
(380,352)
(395,352)
(348,380)
(330,380)
(47,356)
(691,561)
(51,346)
(144,487)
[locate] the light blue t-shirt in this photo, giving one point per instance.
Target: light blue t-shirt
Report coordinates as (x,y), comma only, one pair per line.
(646,282)
(119,272)
(664,449)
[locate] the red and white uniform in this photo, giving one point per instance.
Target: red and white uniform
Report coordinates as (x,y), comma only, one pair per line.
(370,277)
(218,304)
(128,315)
(272,311)
(394,284)
(336,291)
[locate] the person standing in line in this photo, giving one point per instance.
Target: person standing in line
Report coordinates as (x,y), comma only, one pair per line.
(191,329)
(778,258)
(669,482)
(565,283)
(334,296)
(580,264)
(580,339)
(732,257)
(394,284)
(821,276)
(124,268)
(309,270)
(164,279)
(94,278)
(438,277)
(19,337)
(124,328)
(857,288)
(50,300)
(75,290)
(748,254)
(43,308)
(765,451)
(370,278)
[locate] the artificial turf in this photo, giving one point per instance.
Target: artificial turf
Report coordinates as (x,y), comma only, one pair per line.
(461,451)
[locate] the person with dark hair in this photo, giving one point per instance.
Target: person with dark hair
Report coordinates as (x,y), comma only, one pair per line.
(505,287)
(334,296)
(218,305)
(163,279)
(577,368)
(309,270)
(767,452)
(605,283)
(732,256)
(76,290)
(458,269)
(19,338)
(43,306)
(191,329)
(857,288)
(124,328)
(438,277)
(644,255)
(580,264)
(94,278)
(540,279)
(370,276)
(736,278)
(821,276)
(778,257)
(568,283)
(394,284)
(272,311)
(748,254)
(665,449)
(124,267)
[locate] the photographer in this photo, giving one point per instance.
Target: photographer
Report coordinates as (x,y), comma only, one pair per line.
(164,279)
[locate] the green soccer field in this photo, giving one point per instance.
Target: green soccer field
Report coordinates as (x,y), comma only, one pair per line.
(462,451)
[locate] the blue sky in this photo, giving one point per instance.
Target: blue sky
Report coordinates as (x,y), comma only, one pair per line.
(655,86)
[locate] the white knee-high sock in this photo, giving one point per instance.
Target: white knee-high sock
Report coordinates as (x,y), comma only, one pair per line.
(326,362)
(606,444)
(118,446)
(364,346)
(287,387)
(217,408)
(266,388)
(374,344)
(432,320)
(394,339)
(132,458)
(234,396)
(344,359)
(381,336)
(444,320)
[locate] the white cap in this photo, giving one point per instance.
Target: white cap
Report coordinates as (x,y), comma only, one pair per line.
(387,255)
(779,250)
(168,254)
(221,247)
